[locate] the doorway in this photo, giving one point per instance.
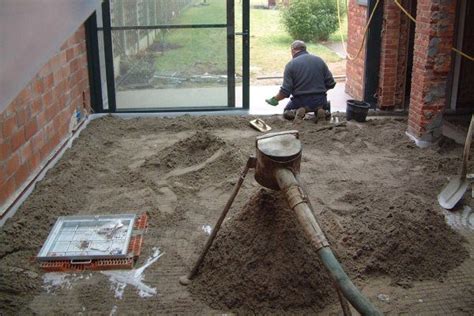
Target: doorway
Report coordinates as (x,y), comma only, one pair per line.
(462,97)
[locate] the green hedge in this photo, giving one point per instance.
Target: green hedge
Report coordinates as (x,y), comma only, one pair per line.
(311,20)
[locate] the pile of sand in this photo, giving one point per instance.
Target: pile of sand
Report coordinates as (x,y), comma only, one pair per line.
(396,234)
(187,152)
(199,159)
(261,261)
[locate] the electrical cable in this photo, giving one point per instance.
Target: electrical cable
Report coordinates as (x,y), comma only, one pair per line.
(414,21)
(367,28)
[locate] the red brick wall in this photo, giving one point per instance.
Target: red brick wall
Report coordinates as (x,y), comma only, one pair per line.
(434,36)
(38,119)
(357,19)
(393,57)
(403,42)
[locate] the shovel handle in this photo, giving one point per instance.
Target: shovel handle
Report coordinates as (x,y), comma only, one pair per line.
(467,149)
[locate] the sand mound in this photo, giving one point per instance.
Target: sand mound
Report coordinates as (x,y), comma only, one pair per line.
(261,261)
(397,235)
(199,159)
(187,152)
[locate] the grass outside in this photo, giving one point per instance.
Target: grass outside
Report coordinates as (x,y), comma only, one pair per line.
(201,51)
(270,44)
(198,51)
(336,36)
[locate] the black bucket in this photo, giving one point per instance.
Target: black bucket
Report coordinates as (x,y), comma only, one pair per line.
(357,110)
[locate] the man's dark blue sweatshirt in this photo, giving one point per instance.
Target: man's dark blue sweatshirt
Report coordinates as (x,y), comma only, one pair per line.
(306,74)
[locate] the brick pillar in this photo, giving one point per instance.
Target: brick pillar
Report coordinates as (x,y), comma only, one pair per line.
(434,35)
(393,57)
(357,19)
(389,55)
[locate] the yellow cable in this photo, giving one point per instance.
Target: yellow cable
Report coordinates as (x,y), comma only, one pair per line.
(463,54)
(414,21)
(405,11)
(365,31)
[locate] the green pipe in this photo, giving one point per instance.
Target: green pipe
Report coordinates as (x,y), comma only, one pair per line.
(350,291)
(297,200)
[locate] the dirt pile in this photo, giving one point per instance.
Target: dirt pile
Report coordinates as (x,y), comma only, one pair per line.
(199,159)
(187,152)
(396,234)
(261,262)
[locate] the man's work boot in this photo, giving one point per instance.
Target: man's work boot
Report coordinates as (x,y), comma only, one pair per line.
(299,116)
(319,115)
(328,116)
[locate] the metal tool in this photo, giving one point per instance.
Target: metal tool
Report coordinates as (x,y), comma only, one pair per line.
(277,167)
(260,125)
(457,186)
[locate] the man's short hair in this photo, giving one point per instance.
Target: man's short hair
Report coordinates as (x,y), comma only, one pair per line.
(298,45)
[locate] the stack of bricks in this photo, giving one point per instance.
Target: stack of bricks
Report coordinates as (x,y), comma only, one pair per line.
(434,36)
(39,118)
(357,19)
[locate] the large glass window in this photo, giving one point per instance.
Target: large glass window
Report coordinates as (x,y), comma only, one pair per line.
(169,54)
(167,12)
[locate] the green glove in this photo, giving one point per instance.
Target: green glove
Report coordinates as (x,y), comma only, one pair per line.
(272,101)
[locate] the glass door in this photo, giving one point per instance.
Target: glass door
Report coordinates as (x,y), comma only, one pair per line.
(170,54)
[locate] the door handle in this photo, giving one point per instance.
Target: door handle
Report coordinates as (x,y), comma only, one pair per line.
(242,33)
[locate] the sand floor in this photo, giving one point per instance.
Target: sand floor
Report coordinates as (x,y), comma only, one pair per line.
(374,192)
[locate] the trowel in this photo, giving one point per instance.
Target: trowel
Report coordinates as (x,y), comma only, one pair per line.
(457,186)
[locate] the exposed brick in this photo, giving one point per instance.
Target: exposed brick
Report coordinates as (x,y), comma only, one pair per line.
(51,111)
(69,54)
(22,117)
(357,16)
(35,161)
(38,87)
(38,141)
(3,174)
(26,151)
(18,139)
(36,106)
(7,190)
(37,120)
(5,150)
(21,175)
(12,164)
(41,118)
(30,129)
(24,96)
(47,98)
(392,57)
(9,127)
(431,65)
(48,82)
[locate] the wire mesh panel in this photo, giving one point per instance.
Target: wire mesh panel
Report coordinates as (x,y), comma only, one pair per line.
(88,237)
